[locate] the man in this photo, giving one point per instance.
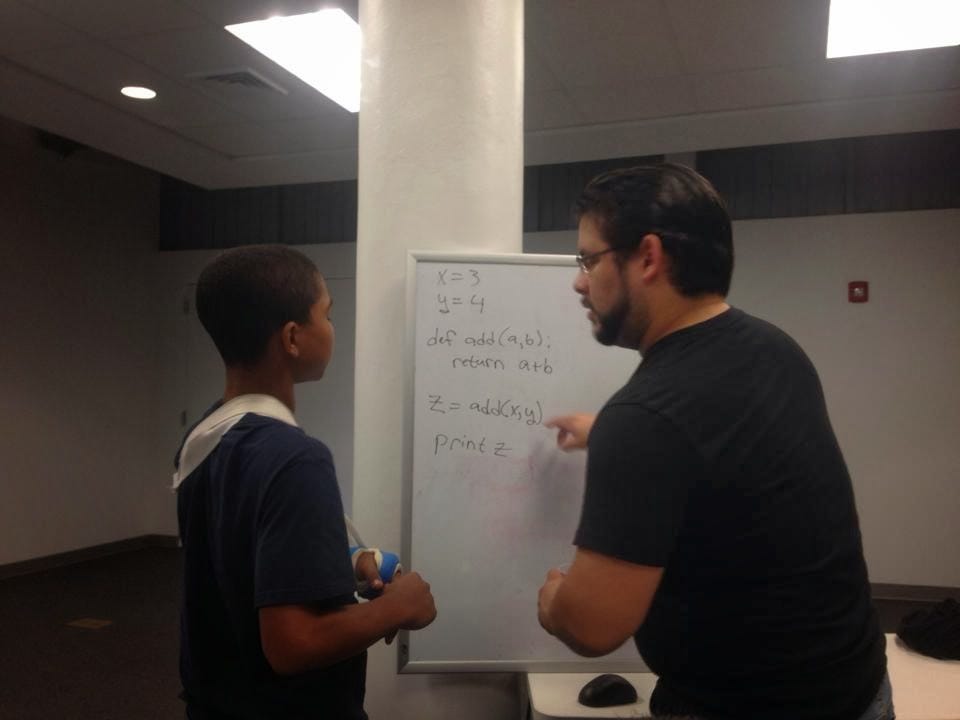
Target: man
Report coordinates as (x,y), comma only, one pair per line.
(718,523)
(270,627)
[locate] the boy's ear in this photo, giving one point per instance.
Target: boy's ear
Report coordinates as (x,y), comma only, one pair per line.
(288,339)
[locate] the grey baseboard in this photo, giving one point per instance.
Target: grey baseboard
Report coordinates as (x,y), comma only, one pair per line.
(927,593)
(48,562)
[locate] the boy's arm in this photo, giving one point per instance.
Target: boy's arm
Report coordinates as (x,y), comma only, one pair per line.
(298,638)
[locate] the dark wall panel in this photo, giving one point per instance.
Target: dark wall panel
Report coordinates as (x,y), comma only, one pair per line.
(319,213)
(193,218)
(916,171)
(247,216)
(778,180)
(904,172)
(550,191)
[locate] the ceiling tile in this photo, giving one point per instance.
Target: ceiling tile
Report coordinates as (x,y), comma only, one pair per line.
(743,34)
(100,72)
(537,77)
(754,88)
(266,105)
(602,43)
(640,99)
(118,18)
(334,131)
(549,109)
(236,140)
(180,52)
(306,135)
(188,54)
(72,114)
(226,12)
(23,29)
(587,63)
(854,77)
(900,73)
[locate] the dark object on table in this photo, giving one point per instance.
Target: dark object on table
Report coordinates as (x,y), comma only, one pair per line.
(934,632)
(606,690)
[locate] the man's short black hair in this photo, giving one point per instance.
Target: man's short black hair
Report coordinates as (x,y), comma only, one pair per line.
(676,204)
(246,294)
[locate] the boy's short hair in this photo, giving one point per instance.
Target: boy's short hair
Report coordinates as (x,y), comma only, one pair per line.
(248,293)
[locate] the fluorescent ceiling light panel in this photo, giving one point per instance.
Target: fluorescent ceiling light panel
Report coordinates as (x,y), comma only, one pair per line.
(321,48)
(138,93)
(865,27)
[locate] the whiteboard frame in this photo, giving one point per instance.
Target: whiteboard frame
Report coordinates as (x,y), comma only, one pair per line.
(404,664)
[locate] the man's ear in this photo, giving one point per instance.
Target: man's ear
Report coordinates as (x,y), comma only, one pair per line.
(651,257)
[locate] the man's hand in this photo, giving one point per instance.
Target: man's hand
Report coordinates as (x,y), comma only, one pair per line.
(545,599)
(572,430)
(599,603)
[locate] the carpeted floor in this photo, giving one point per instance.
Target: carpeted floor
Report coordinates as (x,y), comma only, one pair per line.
(126,670)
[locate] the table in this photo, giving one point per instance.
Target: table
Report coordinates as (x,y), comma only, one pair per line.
(923,689)
(554,695)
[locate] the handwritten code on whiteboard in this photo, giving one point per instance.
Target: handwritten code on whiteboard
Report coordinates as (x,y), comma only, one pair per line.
(497,345)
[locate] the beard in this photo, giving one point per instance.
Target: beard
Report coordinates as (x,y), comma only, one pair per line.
(622,325)
(608,326)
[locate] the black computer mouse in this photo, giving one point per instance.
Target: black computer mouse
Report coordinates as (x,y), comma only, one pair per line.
(606,690)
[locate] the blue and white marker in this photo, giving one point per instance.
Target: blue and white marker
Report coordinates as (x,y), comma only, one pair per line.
(388,563)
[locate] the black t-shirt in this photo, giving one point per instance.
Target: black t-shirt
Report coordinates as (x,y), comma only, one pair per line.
(261,521)
(717,461)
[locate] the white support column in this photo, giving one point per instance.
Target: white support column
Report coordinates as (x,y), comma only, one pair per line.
(440,168)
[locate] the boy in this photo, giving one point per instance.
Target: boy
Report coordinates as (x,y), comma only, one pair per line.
(270,626)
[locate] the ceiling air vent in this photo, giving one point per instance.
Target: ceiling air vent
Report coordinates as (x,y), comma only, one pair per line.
(239,78)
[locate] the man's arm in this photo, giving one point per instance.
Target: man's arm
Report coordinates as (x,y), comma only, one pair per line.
(599,604)
(297,638)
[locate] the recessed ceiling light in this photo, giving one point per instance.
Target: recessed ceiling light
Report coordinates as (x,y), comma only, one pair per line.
(321,48)
(139,93)
(865,27)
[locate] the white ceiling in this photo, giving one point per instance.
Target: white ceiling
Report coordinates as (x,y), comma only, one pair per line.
(603,78)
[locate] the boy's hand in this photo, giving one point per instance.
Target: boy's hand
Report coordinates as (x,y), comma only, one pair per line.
(412,593)
(368,572)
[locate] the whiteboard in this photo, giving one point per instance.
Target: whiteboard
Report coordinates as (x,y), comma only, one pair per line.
(495,345)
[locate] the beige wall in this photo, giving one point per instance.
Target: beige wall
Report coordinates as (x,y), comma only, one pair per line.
(98,359)
(79,362)
(889,367)
(94,365)
(93,369)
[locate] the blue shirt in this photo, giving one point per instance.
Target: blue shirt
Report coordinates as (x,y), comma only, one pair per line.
(261,522)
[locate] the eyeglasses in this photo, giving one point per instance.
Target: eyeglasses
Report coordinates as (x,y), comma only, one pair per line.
(587,261)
